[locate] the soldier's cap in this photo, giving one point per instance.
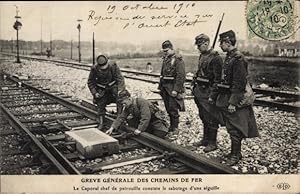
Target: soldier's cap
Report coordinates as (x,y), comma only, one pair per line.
(227,36)
(102,60)
(123,95)
(167,44)
(201,38)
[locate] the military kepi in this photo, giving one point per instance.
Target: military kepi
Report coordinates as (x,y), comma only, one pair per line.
(200,39)
(124,95)
(102,60)
(228,36)
(167,44)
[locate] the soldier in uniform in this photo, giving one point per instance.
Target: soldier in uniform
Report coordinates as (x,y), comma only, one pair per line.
(145,116)
(149,67)
(49,52)
(205,91)
(239,118)
(171,86)
(105,83)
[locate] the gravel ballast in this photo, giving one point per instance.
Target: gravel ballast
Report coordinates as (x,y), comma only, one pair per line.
(276,151)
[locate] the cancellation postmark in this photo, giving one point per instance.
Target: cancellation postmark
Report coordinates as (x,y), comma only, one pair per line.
(271,19)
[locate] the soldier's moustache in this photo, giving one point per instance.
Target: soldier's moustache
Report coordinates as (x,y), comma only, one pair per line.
(104,66)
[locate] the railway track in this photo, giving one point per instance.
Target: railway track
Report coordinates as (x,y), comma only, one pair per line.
(42,119)
(264,97)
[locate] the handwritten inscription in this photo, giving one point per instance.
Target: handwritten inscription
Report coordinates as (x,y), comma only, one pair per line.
(177,7)
(149,15)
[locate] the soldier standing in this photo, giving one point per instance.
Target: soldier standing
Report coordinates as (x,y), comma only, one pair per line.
(205,92)
(145,116)
(149,67)
(171,86)
(105,83)
(239,117)
(49,52)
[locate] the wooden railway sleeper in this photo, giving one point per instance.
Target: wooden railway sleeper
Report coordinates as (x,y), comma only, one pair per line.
(59,156)
(27,145)
(169,155)
(177,166)
(36,156)
(46,168)
(64,125)
(65,146)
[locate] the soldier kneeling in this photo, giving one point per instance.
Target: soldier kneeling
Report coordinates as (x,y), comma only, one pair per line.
(142,112)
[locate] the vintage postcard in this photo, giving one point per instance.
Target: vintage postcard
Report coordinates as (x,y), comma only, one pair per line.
(149,96)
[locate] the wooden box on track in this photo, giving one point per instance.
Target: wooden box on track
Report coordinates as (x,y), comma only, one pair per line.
(92,143)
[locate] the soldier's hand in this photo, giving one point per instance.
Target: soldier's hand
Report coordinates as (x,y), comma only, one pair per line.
(119,91)
(159,86)
(211,101)
(109,131)
(97,95)
(194,81)
(174,93)
(137,132)
(231,108)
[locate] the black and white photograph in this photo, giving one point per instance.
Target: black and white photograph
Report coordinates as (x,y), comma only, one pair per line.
(149,96)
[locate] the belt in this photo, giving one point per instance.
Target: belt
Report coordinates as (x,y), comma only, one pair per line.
(202,80)
(107,85)
(223,88)
(167,78)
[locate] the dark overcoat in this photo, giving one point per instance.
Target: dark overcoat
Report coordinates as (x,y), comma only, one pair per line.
(209,68)
(104,77)
(235,75)
(144,113)
(173,67)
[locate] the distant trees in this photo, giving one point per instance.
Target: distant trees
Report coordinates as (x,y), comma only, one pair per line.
(265,48)
(134,55)
(143,50)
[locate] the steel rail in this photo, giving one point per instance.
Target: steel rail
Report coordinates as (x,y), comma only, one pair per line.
(279,106)
(71,105)
(255,89)
(62,164)
(142,79)
(61,158)
(189,158)
(15,123)
(183,155)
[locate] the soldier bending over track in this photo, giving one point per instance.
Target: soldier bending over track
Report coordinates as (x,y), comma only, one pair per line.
(145,116)
(105,83)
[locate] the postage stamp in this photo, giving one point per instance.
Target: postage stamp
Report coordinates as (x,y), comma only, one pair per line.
(271,19)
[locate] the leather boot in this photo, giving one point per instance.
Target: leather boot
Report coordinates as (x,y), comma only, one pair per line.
(171,128)
(173,124)
(212,140)
(176,122)
(119,108)
(229,155)
(235,156)
(204,141)
(100,126)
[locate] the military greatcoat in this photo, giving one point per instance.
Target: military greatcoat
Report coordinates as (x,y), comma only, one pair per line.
(144,116)
(235,75)
(172,79)
(107,82)
(210,70)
